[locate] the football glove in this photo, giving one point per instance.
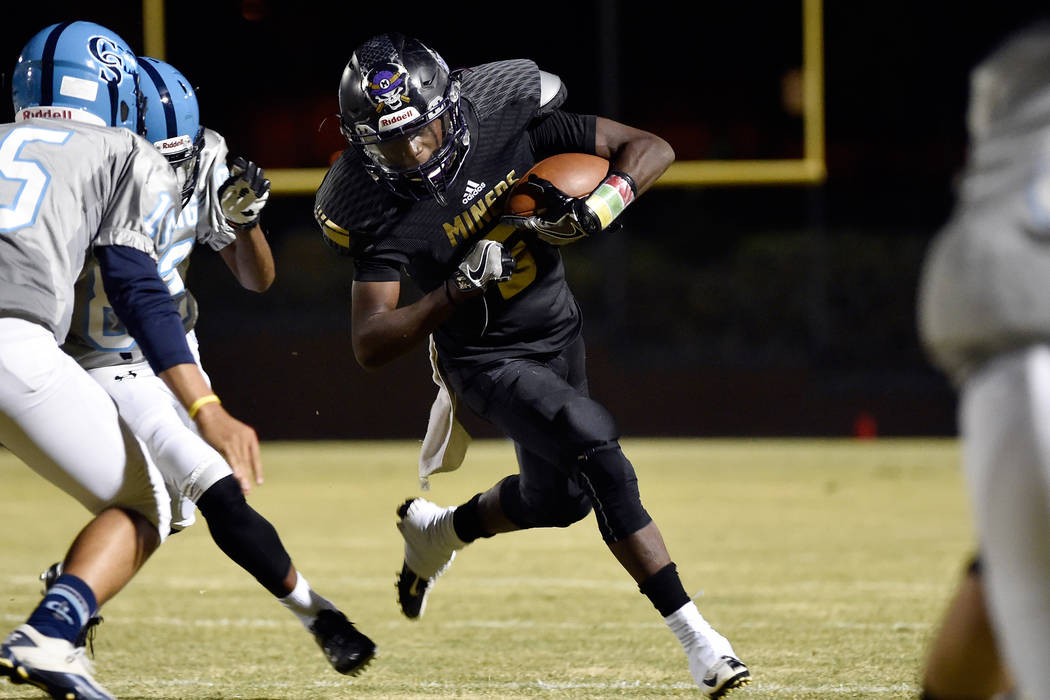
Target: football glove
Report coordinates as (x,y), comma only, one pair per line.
(564,219)
(244,194)
(488,261)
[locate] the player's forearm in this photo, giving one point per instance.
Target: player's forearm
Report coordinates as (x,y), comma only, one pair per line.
(250,260)
(379,338)
(641,154)
(645,161)
(187,383)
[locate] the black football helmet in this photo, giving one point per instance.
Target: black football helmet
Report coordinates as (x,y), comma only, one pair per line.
(399,107)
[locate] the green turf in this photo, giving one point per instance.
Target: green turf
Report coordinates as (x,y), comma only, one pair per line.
(827,564)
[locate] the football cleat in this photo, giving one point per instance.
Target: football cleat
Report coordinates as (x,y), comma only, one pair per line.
(427,530)
(51,664)
(87,635)
(348,650)
(723,677)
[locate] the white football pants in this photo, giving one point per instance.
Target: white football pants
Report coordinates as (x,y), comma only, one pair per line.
(58,421)
(1005,423)
(188,464)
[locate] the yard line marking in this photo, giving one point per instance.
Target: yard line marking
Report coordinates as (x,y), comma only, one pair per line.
(539,683)
(510,623)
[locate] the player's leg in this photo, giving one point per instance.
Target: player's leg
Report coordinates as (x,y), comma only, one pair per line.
(199,473)
(545,409)
(58,421)
(963,660)
(1005,421)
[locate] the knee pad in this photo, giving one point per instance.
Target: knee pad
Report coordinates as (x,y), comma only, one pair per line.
(557,510)
(609,479)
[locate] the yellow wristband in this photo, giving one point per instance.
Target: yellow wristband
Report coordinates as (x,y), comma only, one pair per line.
(202,401)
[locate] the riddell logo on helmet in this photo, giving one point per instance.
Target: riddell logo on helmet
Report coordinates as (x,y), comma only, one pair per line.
(46,112)
(396,119)
(176,144)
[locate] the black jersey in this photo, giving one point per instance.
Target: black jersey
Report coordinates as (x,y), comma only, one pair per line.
(533,312)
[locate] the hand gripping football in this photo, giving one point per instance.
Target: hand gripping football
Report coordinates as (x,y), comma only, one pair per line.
(575,174)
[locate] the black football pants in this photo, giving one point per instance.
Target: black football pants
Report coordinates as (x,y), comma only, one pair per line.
(567,443)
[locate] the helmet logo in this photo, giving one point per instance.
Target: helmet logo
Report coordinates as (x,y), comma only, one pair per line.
(385,86)
(110,58)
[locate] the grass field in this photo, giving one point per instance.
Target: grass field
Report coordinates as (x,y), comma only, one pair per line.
(827,563)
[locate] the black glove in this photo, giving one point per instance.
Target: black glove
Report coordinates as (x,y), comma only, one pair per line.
(488,261)
(244,194)
(563,220)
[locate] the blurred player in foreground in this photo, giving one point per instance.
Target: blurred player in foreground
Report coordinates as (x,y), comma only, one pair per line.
(220,209)
(963,660)
(433,154)
(73,185)
(984,317)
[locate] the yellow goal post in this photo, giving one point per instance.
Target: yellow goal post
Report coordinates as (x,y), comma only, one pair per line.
(809,169)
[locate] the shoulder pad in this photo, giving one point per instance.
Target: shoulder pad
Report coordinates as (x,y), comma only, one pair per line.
(349,205)
(552,92)
(492,86)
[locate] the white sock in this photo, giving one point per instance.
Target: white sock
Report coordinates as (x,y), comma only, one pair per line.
(693,631)
(446,531)
(304,602)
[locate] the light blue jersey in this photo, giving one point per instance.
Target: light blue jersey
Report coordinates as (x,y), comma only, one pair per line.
(97,338)
(66,186)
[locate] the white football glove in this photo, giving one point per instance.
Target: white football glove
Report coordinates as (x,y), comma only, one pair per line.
(244,194)
(488,261)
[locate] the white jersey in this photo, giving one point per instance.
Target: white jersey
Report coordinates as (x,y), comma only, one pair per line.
(97,338)
(64,187)
(985,286)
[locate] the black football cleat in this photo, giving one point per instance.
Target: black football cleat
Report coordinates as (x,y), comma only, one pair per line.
(348,650)
(412,592)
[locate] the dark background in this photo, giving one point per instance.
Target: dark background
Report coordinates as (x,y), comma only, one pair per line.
(736,311)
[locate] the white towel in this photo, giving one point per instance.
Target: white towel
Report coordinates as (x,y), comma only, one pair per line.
(445,444)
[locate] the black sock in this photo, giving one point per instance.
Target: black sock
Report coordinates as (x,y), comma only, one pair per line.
(466,521)
(665,590)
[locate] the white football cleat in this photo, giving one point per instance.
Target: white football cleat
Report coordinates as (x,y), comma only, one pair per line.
(430,547)
(51,664)
(721,678)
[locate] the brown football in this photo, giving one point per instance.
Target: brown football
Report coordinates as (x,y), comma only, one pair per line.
(575,174)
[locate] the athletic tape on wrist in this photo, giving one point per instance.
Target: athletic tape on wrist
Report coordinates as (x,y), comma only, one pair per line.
(611,197)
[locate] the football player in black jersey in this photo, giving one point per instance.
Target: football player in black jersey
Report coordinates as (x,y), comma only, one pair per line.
(421,192)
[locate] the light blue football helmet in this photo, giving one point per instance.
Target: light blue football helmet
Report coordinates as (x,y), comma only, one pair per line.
(81,71)
(172,119)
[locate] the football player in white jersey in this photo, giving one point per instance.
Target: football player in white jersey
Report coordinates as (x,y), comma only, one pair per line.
(220,209)
(71,186)
(984,318)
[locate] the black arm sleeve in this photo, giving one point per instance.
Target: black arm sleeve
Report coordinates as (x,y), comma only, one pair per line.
(143,303)
(562,132)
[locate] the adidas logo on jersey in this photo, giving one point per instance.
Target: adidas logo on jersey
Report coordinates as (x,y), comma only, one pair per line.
(473,190)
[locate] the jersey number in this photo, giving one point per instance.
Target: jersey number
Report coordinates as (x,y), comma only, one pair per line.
(104,328)
(32,179)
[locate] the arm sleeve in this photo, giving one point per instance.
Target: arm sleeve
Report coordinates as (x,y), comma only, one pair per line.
(562,132)
(143,303)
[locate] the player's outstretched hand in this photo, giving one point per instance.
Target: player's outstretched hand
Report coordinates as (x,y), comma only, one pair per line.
(488,261)
(235,441)
(244,194)
(564,219)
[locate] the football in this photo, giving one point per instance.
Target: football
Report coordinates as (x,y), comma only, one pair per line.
(575,174)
